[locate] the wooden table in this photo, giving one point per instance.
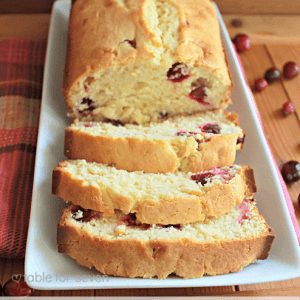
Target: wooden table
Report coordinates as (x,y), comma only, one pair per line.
(275,40)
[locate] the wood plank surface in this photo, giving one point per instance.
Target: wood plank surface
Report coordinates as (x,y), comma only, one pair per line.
(259,6)
(283,132)
(226,6)
(266,29)
(261,28)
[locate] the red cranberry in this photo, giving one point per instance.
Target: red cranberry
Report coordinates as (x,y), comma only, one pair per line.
(87,214)
(242,42)
(202,177)
(85,112)
(129,220)
(175,73)
(290,70)
(291,171)
(288,108)
(199,95)
(260,84)
(236,22)
(240,140)
(272,75)
(210,128)
(113,122)
(132,43)
(17,287)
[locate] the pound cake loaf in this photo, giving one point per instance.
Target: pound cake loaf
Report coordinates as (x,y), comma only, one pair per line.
(154,198)
(186,143)
(137,61)
(121,246)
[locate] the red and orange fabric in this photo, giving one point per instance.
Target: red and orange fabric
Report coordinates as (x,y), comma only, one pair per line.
(21,76)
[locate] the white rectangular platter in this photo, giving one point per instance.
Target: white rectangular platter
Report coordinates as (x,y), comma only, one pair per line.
(45,268)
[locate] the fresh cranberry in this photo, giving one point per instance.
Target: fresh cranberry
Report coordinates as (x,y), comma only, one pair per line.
(240,140)
(242,42)
(290,70)
(291,171)
(236,22)
(175,73)
(87,214)
(288,108)
(199,95)
(260,84)
(210,128)
(272,75)
(17,287)
(113,122)
(202,177)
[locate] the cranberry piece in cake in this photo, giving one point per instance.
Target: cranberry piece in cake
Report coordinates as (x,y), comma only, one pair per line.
(90,107)
(198,94)
(210,128)
(178,72)
(202,177)
(17,287)
(240,140)
(130,220)
(82,215)
(132,43)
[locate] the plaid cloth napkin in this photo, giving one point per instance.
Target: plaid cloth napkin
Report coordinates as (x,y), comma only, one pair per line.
(21,76)
(21,72)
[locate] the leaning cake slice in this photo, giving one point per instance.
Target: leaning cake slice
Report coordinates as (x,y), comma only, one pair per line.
(154,198)
(191,143)
(121,246)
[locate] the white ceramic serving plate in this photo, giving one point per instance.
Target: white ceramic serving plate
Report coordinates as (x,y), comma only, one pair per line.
(45,268)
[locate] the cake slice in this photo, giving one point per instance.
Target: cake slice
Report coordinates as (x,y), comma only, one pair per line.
(137,61)
(154,198)
(186,143)
(121,246)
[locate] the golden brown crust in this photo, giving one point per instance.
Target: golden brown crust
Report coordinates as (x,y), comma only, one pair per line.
(93,38)
(131,154)
(215,200)
(186,257)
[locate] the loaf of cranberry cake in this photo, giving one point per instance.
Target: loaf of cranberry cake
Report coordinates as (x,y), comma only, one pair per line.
(138,61)
(186,143)
(155,198)
(121,246)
